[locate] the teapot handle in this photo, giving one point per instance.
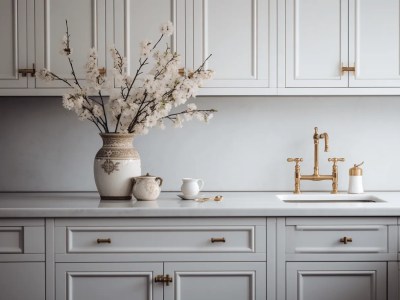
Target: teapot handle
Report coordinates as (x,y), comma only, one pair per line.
(160,181)
(133,181)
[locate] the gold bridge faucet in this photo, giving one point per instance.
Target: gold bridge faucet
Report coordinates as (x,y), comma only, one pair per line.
(316,176)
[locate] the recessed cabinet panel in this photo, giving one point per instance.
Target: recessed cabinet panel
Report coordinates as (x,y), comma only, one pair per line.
(22,281)
(78,281)
(236,33)
(11,240)
(13,46)
(316,43)
(161,239)
(142,25)
(199,281)
(338,280)
(86,22)
(375,43)
(331,239)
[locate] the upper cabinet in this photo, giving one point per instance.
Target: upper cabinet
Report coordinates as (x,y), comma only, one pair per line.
(341,44)
(258,47)
(374,43)
(15,35)
(87,29)
(239,34)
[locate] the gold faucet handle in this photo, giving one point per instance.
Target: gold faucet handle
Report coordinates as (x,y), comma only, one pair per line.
(335,160)
(297,160)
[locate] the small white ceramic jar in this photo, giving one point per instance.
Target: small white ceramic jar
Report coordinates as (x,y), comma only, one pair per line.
(191,187)
(146,187)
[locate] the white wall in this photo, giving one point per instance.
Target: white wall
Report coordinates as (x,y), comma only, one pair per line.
(244,148)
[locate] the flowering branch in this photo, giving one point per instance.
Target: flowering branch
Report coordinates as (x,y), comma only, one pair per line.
(141,101)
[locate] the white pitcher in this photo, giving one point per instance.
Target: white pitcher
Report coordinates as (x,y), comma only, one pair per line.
(191,186)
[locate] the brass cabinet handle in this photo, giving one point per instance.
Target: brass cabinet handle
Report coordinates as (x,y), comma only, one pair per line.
(348,69)
(25,72)
(164,279)
(345,240)
(104,241)
(218,240)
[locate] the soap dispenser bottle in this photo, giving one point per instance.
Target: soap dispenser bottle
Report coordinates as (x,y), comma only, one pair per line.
(355,180)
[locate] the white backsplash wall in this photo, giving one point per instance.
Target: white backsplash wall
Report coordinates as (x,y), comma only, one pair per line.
(244,148)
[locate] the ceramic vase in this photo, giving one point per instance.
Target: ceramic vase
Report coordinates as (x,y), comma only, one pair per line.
(115,164)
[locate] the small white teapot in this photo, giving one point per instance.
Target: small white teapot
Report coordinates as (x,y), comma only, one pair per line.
(146,187)
(191,187)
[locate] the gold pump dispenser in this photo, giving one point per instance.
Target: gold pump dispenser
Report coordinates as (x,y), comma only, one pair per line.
(356,170)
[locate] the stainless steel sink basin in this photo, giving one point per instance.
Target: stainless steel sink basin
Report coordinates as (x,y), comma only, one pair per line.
(329,198)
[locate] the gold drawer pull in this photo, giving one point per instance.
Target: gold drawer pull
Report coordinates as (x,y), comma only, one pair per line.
(345,240)
(164,279)
(218,240)
(104,241)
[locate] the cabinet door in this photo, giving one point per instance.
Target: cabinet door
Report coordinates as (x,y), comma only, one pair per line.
(316,43)
(336,280)
(13,46)
(375,43)
(87,28)
(134,23)
(93,281)
(22,280)
(236,33)
(216,281)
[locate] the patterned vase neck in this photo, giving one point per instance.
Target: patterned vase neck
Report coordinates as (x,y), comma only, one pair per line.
(117,145)
(117,140)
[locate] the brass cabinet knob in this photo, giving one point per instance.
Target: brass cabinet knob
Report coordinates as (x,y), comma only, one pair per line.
(163,279)
(218,240)
(104,241)
(345,240)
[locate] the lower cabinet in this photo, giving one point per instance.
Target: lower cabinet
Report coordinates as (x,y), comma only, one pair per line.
(106,281)
(336,280)
(190,281)
(22,280)
(216,281)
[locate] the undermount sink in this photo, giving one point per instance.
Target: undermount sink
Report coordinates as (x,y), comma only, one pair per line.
(329,198)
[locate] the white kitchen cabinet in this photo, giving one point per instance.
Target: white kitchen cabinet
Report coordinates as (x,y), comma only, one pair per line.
(216,281)
(336,280)
(105,281)
(316,43)
(240,36)
(87,29)
(374,43)
(15,34)
(321,37)
(137,20)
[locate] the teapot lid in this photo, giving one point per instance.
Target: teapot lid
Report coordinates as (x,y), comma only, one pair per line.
(147,176)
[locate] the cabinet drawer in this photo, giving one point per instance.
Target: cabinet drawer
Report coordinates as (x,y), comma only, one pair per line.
(336,239)
(160,239)
(21,237)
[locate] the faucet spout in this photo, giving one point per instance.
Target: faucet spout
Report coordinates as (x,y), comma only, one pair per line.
(326,138)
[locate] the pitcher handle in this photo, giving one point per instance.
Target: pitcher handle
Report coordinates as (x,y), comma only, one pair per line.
(160,181)
(200,182)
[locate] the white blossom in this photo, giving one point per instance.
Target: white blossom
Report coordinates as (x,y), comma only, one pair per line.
(45,75)
(97,111)
(167,29)
(65,50)
(68,103)
(146,47)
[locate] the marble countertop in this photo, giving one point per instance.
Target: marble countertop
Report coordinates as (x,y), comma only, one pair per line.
(169,205)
